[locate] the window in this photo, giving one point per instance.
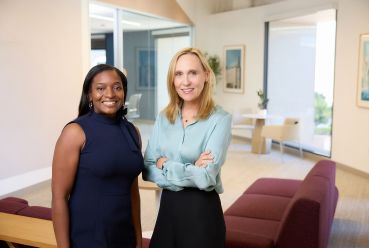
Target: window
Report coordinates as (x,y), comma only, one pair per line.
(300,75)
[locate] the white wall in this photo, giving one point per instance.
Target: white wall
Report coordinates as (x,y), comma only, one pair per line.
(43,59)
(246,26)
(350,123)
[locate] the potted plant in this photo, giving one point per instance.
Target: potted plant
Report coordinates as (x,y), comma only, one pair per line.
(263,101)
(214,63)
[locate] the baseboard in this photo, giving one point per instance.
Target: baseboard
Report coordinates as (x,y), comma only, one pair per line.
(18,182)
(352,170)
(317,157)
(236,136)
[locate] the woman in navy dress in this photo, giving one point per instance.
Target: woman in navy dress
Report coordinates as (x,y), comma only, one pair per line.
(97,158)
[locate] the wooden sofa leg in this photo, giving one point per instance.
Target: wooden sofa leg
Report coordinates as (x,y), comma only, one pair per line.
(10,245)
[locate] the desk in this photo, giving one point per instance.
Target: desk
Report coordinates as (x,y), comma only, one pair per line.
(26,230)
(256,135)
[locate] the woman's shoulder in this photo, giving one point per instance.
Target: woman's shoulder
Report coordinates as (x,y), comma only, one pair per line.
(81,119)
(162,118)
(73,133)
(219,113)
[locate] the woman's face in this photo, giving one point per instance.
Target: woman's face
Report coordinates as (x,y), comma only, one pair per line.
(107,93)
(189,78)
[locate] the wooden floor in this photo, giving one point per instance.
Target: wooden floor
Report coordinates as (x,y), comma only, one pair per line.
(351,223)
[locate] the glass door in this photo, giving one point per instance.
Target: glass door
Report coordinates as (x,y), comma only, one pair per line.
(128,40)
(300,75)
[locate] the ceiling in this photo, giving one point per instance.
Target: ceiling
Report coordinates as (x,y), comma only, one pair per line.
(101,17)
(101,20)
(228,5)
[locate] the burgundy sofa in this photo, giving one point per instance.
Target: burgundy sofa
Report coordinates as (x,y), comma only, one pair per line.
(285,213)
(14,205)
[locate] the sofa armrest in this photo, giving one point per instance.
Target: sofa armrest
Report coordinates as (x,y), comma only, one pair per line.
(307,221)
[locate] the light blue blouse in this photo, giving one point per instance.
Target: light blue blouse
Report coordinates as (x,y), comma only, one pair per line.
(183,146)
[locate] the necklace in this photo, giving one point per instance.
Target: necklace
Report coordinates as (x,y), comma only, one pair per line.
(188,116)
(188,119)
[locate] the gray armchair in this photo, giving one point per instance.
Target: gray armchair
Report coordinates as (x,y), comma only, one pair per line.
(133,106)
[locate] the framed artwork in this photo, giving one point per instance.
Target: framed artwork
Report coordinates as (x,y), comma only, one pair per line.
(234,68)
(363,72)
(146,71)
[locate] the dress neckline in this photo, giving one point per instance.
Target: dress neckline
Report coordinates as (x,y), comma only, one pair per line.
(105,119)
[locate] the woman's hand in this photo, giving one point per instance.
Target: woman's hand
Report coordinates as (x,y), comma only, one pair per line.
(160,162)
(204,159)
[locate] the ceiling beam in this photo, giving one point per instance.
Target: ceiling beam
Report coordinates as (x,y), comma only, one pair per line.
(162,8)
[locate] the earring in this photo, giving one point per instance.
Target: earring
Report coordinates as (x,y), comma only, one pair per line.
(90,105)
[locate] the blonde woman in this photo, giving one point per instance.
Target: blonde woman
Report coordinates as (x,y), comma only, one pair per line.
(184,157)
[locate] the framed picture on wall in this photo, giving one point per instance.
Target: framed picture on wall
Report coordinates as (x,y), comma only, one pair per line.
(146,72)
(363,72)
(234,68)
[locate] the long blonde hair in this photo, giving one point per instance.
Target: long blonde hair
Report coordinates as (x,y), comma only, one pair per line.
(207,104)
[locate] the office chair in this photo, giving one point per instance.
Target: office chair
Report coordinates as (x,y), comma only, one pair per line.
(133,106)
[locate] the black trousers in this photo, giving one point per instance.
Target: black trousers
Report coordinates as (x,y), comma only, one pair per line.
(190,218)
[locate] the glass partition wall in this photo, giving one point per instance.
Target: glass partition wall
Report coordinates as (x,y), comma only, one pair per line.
(300,75)
(142,46)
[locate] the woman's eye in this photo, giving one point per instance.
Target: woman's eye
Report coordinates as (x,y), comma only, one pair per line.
(118,87)
(177,74)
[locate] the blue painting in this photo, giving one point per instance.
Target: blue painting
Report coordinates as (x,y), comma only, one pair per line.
(146,70)
(363,79)
(365,74)
(233,69)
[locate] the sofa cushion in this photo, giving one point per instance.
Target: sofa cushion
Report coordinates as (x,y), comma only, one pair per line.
(15,199)
(274,186)
(36,212)
(260,227)
(11,207)
(259,206)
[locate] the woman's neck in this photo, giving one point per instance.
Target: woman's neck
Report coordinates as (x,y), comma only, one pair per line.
(189,113)
(190,108)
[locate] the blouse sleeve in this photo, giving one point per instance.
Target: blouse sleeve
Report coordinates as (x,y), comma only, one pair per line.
(152,154)
(189,175)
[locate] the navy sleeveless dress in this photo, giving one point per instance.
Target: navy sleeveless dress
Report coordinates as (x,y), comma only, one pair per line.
(100,201)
